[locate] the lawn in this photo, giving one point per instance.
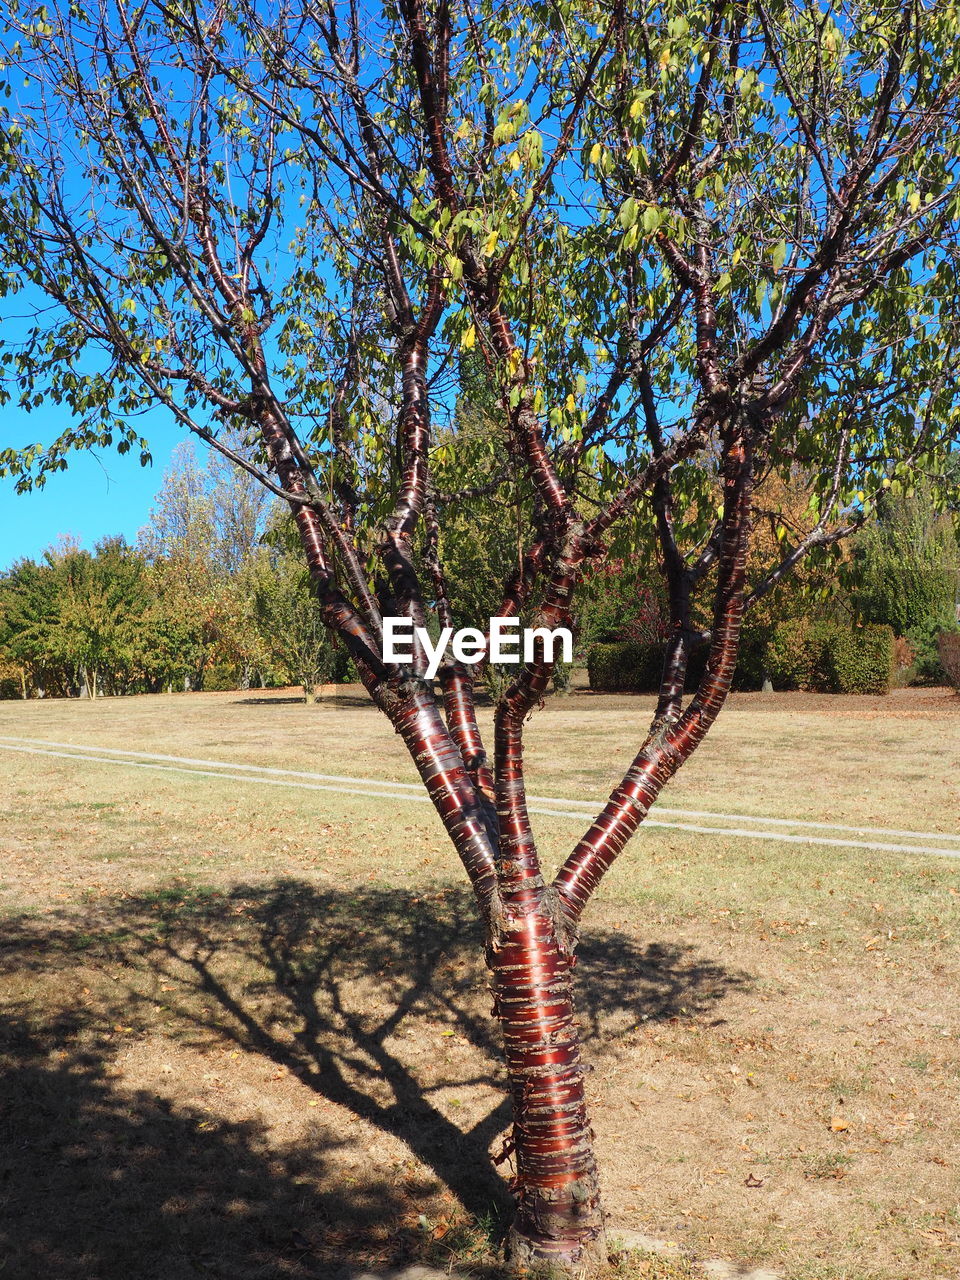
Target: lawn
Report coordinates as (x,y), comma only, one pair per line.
(246,1029)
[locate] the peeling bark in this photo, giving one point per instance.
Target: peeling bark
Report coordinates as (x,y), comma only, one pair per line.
(559,1222)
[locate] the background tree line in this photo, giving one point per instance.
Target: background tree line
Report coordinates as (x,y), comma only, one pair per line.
(212,596)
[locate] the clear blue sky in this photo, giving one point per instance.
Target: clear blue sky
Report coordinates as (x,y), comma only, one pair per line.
(98,495)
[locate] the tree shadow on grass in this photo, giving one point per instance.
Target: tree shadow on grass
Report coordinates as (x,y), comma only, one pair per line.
(345,698)
(103,1183)
(375,1000)
(266,700)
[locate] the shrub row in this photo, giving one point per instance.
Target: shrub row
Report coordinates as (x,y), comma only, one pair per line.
(825,657)
(625,666)
(948,644)
(629,666)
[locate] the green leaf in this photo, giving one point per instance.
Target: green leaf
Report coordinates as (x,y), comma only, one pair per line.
(628,213)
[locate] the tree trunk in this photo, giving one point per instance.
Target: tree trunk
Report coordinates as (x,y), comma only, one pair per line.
(558,1229)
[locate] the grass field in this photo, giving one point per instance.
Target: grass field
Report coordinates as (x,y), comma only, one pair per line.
(246,1030)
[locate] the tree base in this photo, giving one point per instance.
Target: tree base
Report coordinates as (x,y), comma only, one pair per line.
(555,1260)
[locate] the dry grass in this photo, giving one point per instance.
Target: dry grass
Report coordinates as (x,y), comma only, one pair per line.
(247,1034)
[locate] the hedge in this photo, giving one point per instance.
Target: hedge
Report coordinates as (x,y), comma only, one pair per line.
(625,666)
(948,644)
(861,659)
(795,654)
(823,657)
(827,657)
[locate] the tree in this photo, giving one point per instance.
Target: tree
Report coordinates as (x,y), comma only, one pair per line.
(204,540)
(213,514)
(692,244)
(103,601)
(288,618)
(74,621)
(181,629)
(29,611)
(906,573)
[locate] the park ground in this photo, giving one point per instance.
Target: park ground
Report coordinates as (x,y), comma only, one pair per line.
(245,1030)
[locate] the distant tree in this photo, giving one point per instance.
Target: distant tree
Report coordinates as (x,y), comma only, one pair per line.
(906,573)
(204,541)
(29,613)
(180,631)
(104,598)
(210,513)
(181,520)
(289,621)
(241,510)
(622,601)
(74,621)
(244,645)
(482,517)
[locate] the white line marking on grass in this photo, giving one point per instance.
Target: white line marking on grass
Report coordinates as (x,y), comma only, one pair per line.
(783,822)
(419,797)
(211,773)
(590,807)
(216,764)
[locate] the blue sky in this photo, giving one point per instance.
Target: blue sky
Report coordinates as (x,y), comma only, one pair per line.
(100,494)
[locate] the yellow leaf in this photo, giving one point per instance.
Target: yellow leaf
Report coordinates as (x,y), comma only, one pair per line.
(490,244)
(838,1124)
(469,338)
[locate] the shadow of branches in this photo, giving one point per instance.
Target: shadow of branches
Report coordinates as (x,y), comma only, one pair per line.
(374,1000)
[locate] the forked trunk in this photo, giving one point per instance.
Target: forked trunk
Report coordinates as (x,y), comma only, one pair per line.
(558,1229)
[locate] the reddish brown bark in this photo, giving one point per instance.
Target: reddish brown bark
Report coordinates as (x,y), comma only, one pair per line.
(464,815)
(672,740)
(559,1218)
